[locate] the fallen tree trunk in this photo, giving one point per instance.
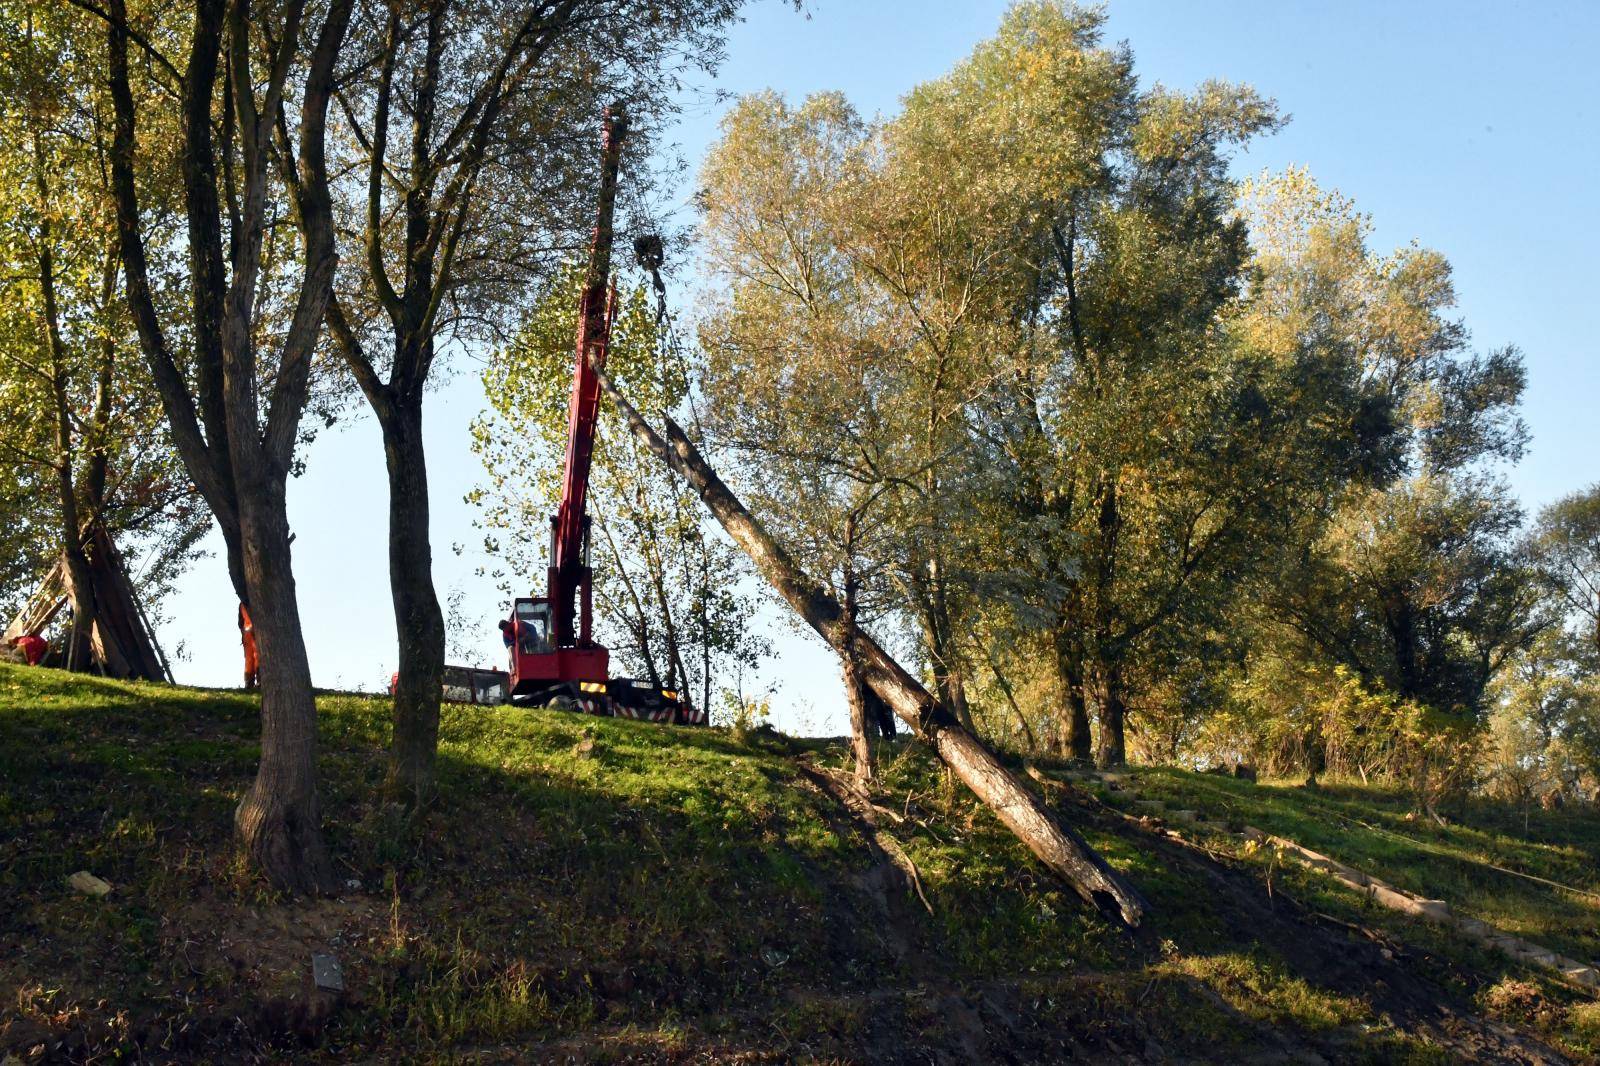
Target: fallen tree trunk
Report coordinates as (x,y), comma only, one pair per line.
(1023,812)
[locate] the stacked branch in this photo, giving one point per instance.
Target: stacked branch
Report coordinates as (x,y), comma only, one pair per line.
(119,640)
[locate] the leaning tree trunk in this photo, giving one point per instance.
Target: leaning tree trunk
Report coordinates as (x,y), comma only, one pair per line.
(1021,811)
(419,623)
(280,818)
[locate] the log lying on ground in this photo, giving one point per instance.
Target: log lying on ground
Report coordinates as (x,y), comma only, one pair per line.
(1056,845)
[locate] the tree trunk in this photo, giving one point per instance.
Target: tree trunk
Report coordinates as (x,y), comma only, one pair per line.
(1107,679)
(280,818)
(866,769)
(1113,717)
(1019,809)
(241,463)
(639,620)
(205,455)
(80,586)
(99,444)
(860,738)
(942,657)
(704,608)
(1075,737)
(418,620)
(80,583)
(656,568)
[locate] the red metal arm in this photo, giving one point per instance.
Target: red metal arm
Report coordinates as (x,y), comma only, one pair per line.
(569,570)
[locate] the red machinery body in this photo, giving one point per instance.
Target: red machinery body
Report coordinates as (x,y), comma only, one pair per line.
(539,667)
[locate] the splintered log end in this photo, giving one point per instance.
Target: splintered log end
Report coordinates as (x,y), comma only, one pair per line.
(1099,885)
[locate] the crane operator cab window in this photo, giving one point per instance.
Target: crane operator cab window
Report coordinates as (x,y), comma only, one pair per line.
(533,627)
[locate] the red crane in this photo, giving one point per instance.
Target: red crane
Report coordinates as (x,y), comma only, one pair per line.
(554,656)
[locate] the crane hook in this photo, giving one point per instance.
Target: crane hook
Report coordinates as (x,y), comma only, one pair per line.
(651,255)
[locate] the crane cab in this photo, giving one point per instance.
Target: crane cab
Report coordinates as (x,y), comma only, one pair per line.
(538,668)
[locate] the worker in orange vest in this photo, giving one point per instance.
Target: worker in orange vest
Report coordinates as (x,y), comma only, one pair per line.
(32,646)
(252,663)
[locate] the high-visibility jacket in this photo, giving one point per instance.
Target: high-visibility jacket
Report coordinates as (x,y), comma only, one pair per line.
(247,636)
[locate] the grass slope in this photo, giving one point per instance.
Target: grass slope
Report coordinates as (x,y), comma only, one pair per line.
(593,889)
(1376,829)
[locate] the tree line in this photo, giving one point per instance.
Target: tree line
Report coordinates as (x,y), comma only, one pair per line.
(1124,454)
(1127,452)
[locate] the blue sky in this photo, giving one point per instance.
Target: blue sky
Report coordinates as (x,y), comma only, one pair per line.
(1469,127)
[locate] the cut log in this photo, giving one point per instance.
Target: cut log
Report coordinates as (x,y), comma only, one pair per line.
(1055,844)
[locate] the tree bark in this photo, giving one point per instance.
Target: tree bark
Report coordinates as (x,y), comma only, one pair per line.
(418,620)
(99,445)
(1055,844)
(656,569)
(1107,679)
(80,588)
(241,462)
(1075,739)
(943,660)
(204,452)
(1112,750)
(435,210)
(80,585)
(639,618)
(850,665)
(279,820)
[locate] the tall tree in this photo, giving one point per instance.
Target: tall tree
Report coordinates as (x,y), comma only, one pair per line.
(1038,261)
(233,401)
(842,390)
(1405,574)
(84,431)
(473,126)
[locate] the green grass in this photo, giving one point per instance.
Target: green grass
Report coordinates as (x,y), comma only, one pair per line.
(1376,830)
(609,890)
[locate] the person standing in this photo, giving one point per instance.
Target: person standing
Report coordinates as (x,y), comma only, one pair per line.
(247,637)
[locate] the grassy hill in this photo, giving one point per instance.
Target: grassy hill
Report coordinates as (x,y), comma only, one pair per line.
(593,890)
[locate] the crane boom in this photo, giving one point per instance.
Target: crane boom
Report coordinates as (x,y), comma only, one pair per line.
(569,570)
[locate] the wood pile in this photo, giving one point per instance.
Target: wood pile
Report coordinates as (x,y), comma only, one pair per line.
(122,643)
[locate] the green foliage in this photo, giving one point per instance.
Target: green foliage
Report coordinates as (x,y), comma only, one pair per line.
(742,715)
(1565,544)
(1546,724)
(1405,572)
(1003,338)
(72,382)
